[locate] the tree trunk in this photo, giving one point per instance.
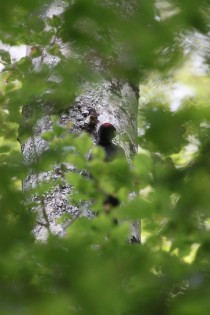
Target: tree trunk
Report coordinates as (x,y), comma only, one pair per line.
(113,101)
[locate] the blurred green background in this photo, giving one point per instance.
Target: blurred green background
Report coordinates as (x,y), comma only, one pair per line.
(94,270)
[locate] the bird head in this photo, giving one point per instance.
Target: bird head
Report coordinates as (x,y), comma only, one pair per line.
(106,133)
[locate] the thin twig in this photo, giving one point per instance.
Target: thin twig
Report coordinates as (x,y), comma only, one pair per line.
(44,212)
(41,223)
(73,220)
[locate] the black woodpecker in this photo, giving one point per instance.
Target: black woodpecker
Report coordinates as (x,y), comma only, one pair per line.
(105,135)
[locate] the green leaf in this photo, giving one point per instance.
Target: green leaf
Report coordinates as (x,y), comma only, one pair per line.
(136,209)
(48,135)
(5,57)
(83,143)
(58,130)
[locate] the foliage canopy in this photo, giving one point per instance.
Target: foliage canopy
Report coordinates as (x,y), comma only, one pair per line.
(94,270)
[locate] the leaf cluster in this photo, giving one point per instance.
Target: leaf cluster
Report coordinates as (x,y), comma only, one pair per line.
(94,269)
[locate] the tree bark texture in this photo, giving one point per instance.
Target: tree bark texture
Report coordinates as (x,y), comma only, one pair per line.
(113,101)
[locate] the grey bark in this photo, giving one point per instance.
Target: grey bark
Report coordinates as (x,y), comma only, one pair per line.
(111,101)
